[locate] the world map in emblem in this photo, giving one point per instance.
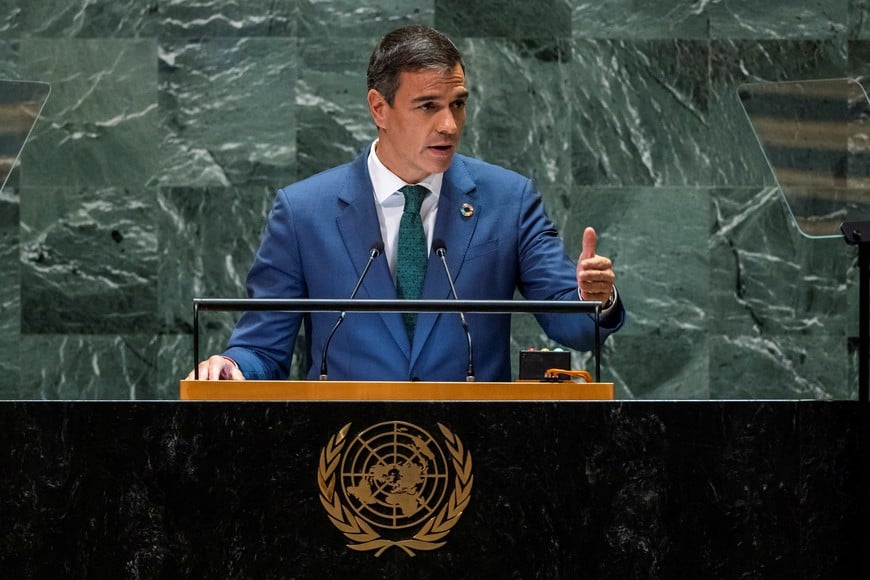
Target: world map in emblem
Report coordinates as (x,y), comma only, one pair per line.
(394,475)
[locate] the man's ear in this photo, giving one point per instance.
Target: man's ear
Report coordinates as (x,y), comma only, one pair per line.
(378,107)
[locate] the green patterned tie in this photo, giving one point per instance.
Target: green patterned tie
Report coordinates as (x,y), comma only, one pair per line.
(411,252)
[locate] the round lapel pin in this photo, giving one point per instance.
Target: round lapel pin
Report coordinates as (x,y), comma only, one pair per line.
(466,210)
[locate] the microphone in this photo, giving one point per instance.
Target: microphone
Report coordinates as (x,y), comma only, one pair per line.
(440,250)
(376,250)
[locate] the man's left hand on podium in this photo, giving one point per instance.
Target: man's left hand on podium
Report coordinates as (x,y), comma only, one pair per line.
(218,368)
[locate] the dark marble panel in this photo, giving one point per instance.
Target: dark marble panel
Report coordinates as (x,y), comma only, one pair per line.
(334,124)
(609,490)
(806,367)
(228,18)
(797,366)
(12,180)
(571,209)
(197,256)
(9,58)
(627,19)
(786,19)
(639,113)
(10,293)
(88,261)
(91,367)
(356,18)
(493,18)
(859,23)
(859,61)
(9,207)
(734,19)
(767,278)
(853,296)
(79,18)
(99,127)
(518,106)
(227,111)
(779,301)
(669,364)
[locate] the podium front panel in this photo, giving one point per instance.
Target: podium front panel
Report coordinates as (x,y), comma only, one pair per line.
(471,489)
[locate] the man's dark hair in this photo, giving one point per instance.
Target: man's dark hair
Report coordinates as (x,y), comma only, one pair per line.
(409,49)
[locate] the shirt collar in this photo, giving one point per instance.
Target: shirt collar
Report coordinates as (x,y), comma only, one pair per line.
(385,183)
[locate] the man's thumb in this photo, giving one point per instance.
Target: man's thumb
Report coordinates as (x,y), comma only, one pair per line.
(589,241)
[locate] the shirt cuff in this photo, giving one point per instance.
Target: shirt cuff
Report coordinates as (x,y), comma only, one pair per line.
(607,306)
(611,302)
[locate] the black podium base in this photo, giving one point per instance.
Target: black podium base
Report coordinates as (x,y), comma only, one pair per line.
(559,490)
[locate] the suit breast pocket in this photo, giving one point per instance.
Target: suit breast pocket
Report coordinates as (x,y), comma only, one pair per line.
(486,274)
(481,250)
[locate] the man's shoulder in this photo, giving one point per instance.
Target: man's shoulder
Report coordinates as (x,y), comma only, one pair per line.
(329,179)
(479,170)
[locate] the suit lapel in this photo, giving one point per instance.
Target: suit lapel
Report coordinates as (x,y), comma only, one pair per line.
(457,231)
(359,227)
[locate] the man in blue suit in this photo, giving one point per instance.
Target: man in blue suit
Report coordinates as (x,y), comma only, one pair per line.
(491,221)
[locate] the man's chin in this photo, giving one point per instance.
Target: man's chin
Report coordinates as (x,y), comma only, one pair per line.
(440,160)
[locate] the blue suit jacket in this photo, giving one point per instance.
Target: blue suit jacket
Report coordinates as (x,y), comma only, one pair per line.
(316,245)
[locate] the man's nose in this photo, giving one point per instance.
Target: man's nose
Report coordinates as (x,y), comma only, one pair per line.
(447,122)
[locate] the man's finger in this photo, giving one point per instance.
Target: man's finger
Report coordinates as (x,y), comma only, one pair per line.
(589,242)
(216,368)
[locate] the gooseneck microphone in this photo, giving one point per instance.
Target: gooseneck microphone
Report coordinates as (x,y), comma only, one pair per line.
(376,250)
(440,249)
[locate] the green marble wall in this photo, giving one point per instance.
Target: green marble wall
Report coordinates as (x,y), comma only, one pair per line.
(171,123)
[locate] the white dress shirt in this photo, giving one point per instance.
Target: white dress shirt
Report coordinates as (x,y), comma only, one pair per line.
(390,203)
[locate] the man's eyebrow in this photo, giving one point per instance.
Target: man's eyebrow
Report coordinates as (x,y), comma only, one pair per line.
(429,98)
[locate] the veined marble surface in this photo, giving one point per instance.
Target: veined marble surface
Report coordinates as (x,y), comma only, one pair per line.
(171,123)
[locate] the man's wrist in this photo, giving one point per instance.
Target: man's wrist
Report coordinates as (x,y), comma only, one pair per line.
(606,305)
(610,301)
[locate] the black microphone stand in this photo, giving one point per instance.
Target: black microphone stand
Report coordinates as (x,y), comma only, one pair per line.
(376,250)
(469,373)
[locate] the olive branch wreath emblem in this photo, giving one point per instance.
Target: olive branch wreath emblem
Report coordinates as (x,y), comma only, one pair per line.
(362,535)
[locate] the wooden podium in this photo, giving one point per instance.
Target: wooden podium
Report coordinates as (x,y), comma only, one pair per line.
(392,391)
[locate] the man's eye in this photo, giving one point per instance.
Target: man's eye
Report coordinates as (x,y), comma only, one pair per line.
(459,105)
(427,106)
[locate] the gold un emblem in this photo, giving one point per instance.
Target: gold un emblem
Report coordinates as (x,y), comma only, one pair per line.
(393,486)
